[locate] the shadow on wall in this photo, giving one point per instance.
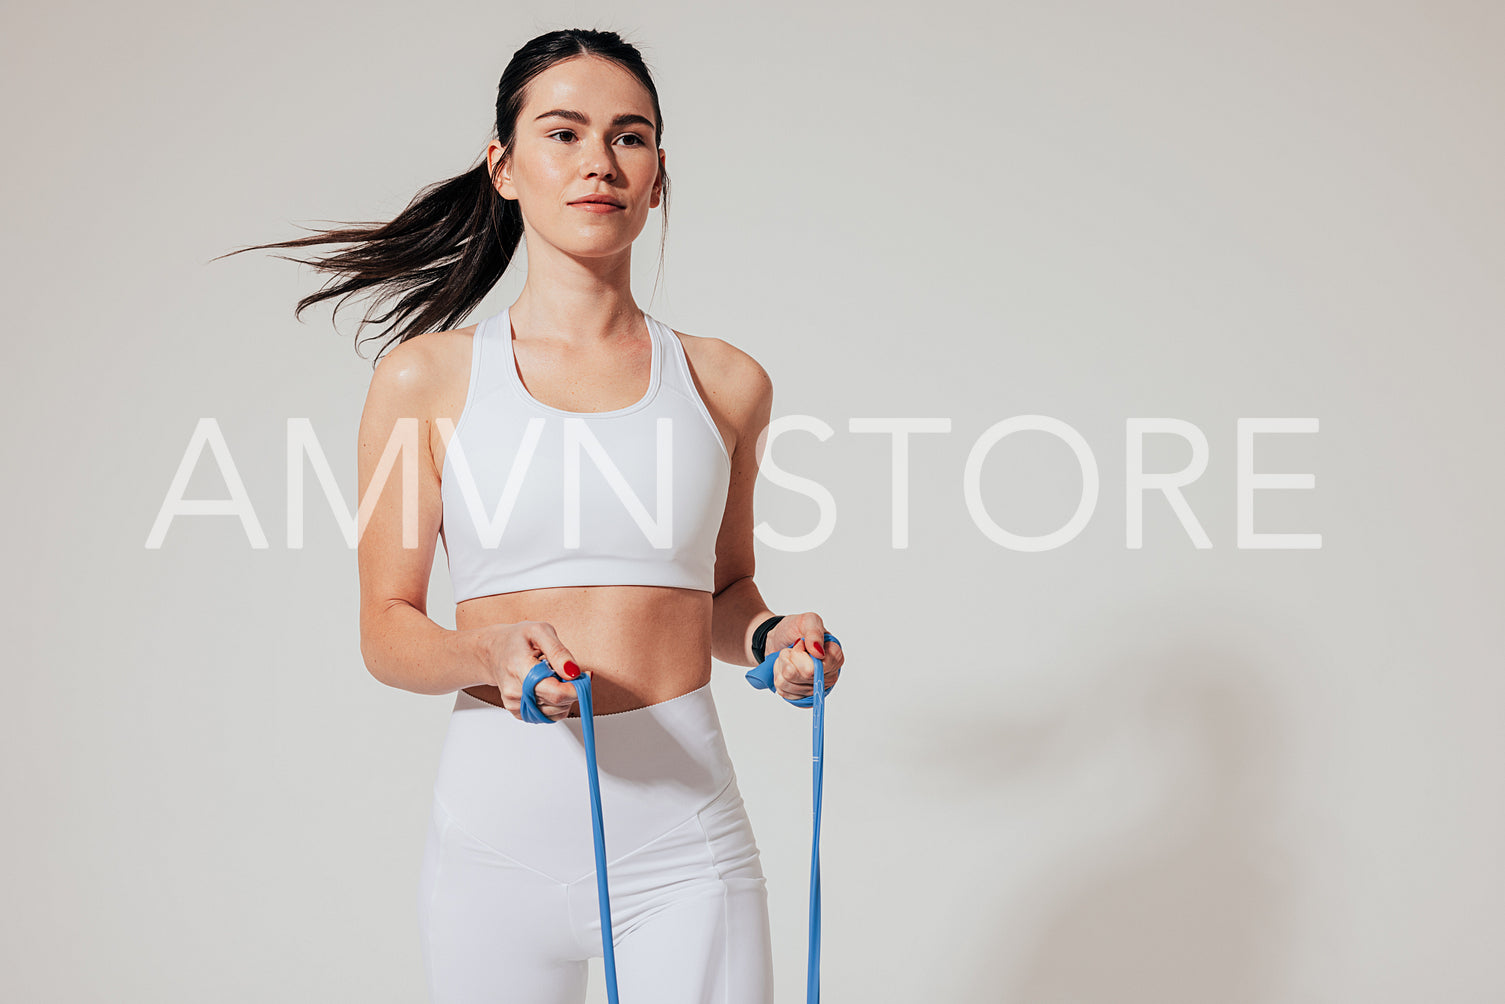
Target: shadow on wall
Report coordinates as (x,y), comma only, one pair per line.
(1183,906)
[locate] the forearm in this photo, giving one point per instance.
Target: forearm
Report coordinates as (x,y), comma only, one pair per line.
(736,612)
(403,648)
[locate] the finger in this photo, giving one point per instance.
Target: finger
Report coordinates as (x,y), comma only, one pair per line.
(795,693)
(565,705)
(794,672)
(546,641)
(559,693)
(833,662)
(549,691)
(801,673)
(555,693)
(813,633)
(799,667)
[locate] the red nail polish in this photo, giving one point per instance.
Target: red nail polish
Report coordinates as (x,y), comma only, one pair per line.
(818,650)
(570,669)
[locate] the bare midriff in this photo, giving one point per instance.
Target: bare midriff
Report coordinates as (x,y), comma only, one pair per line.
(642,645)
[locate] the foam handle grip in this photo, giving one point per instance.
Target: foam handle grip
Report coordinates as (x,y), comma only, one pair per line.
(761,675)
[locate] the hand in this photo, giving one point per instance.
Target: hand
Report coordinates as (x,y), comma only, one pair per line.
(519,647)
(794,669)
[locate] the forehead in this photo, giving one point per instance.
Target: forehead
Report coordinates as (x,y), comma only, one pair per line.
(598,87)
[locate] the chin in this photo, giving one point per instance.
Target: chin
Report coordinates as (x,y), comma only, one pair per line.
(586,247)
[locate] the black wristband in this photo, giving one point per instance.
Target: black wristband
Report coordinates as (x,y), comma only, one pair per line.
(760,635)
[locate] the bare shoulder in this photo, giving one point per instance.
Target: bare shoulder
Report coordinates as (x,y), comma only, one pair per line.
(419,379)
(422,371)
(732,377)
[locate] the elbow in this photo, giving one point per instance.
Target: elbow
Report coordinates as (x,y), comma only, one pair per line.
(372,649)
(368,658)
(717,594)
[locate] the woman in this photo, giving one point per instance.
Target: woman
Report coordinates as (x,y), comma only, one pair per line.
(545,435)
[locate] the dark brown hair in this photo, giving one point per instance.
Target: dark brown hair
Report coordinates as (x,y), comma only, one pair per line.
(445,251)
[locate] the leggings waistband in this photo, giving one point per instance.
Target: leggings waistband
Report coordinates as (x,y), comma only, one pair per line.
(521,788)
(465,700)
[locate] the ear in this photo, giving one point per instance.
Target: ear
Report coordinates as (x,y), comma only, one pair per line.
(658,183)
(501,176)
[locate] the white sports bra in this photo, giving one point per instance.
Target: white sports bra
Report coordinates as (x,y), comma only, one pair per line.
(537,496)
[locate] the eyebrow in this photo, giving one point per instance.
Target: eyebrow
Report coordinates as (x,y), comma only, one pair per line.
(627,118)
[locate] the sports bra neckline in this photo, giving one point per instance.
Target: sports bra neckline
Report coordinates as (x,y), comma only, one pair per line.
(655,372)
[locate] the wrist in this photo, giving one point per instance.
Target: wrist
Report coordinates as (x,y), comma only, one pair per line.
(482,648)
(759,645)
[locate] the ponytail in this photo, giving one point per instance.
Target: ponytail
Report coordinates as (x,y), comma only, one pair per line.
(442,254)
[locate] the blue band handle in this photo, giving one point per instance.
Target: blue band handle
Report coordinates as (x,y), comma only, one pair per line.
(541,671)
(761,675)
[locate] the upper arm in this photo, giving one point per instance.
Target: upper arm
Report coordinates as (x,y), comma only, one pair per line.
(748,391)
(394,448)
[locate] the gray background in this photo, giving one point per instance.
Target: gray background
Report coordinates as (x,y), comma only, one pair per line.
(1088,775)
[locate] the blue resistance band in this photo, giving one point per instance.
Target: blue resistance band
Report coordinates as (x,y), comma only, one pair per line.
(761,677)
(531,713)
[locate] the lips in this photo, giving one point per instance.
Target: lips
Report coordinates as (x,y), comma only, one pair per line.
(601,200)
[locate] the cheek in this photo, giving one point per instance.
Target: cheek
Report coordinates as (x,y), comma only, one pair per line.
(556,169)
(542,172)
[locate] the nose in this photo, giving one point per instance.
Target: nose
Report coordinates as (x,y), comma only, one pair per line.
(597,160)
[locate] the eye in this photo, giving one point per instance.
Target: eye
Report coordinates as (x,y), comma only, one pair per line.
(637,140)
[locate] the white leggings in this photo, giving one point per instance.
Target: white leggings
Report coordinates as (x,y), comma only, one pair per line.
(507,899)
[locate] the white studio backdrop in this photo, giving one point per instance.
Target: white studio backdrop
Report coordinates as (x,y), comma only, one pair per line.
(1093,774)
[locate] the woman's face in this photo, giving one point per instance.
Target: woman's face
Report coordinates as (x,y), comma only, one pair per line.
(601,144)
